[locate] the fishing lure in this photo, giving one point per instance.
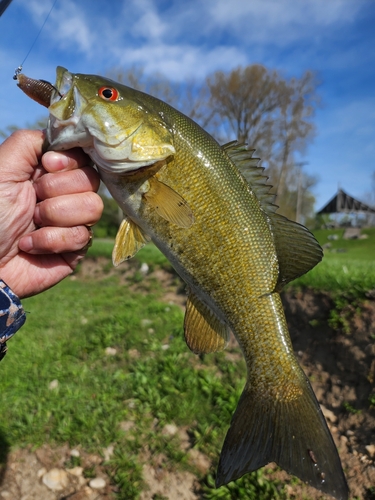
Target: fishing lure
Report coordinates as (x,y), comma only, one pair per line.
(38,90)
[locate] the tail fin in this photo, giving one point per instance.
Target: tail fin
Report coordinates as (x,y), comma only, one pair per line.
(293,433)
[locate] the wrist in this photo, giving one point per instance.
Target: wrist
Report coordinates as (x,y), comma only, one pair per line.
(12,315)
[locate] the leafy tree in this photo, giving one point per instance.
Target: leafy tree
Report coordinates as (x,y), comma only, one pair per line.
(190,97)
(254,105)
(111,218)
(41,123)
(270,113)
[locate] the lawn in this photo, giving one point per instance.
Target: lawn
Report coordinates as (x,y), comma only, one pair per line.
(150,378)
(348,266)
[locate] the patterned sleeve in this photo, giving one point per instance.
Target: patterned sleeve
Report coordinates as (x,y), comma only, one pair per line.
(12,316)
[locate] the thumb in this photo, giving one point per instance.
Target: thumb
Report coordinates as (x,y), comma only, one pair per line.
(20,155)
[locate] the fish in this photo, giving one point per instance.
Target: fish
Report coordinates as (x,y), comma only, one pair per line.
(209,209)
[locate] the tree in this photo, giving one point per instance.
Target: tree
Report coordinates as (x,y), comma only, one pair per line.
(270,113)
(189,97)
(39,124)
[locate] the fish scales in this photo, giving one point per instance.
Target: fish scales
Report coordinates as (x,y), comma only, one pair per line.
(217,227)
(227,236)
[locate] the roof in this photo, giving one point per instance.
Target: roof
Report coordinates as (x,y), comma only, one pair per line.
(344,203)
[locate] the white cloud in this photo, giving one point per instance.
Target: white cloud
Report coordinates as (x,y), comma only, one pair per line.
(179,62)
(194,38)
(281,21)
(68,24)
(150,24)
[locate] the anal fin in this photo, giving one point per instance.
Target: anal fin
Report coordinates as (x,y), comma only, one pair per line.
(169,204)
(129,239)
(204,332)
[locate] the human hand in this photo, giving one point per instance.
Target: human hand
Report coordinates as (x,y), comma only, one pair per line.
(46,202)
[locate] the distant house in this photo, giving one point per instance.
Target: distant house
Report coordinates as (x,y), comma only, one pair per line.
(356,212)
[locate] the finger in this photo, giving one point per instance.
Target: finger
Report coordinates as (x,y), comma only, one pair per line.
(57,161)
(69,210)
(73,258)
(64,183)
(23,149)
(57,240)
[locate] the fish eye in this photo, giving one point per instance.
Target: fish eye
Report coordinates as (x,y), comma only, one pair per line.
(108,93)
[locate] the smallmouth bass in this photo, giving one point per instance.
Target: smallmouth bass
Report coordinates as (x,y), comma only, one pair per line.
(208,209)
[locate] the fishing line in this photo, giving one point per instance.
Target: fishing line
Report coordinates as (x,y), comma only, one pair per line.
(18,70)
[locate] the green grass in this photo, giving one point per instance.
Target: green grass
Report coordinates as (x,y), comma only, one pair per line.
(67,331)
(65,337)
(149,254)
(347,268)
(350,276)
(358,249)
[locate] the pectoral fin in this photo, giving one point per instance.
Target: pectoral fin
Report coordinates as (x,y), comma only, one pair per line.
(129,239)
(169,204)
(204,332)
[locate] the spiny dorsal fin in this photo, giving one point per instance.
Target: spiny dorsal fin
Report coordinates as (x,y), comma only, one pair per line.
(204,332)
(169,204)
(129,239)
(297,249)
(248,167)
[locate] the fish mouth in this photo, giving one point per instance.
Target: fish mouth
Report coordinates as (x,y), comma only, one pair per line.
(65,129)
(79,118)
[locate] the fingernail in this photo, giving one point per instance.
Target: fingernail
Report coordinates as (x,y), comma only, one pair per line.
(64,161)
(37,220)
(55,161)
(26,244)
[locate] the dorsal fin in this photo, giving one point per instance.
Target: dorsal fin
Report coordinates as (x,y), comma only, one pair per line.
(254,175)
(297,249)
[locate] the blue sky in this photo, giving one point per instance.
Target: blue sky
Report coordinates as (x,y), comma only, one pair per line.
(183,39)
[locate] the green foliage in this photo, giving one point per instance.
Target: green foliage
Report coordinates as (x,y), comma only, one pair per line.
(39,124)
(126,472)
(110,220)
(350,408)
(344,310)
(252,486)
(371,399)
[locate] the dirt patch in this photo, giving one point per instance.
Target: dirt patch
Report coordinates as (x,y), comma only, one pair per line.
(138,277)
(51,474)
(342,372)
(341,367)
